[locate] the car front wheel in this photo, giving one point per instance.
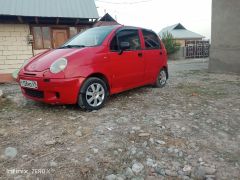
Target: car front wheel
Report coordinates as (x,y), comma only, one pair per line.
(161,79)
(93,94)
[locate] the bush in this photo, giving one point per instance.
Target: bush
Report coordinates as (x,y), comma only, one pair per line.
(170,43)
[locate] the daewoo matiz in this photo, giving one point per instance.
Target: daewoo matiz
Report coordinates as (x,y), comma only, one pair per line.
(95,64)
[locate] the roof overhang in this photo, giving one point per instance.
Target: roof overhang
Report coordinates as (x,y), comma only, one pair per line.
(50,8)
(46,20)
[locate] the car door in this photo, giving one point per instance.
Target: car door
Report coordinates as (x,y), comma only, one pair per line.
(153,54)
(127,67)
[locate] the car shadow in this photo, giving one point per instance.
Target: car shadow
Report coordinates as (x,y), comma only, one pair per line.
(74,107)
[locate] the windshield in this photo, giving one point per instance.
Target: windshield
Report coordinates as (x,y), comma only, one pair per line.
(90,37)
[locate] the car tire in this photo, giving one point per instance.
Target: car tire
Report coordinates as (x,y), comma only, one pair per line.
(161,78)
(93,94)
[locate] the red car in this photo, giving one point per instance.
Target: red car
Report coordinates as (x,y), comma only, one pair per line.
(95,64)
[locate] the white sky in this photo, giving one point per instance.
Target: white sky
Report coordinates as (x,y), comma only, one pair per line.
(195,15)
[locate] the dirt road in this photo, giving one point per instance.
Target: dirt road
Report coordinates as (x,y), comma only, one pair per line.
(187,130)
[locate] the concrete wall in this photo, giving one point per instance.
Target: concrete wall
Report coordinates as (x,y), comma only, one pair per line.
(14,48)
(225,47)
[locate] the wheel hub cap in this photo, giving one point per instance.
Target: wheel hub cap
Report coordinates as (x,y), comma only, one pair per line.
(163,77)
(95,95)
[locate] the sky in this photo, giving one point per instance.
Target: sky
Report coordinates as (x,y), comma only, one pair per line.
(195,15)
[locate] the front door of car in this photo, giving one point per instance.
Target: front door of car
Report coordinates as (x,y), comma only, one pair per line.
(127,65)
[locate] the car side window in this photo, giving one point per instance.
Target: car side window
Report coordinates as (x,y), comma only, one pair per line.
(114,44)
(151,40)
(131,36)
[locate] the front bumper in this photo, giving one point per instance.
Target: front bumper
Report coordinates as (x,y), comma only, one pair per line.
(53,91)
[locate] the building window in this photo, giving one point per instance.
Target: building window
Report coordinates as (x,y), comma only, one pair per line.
(42,37)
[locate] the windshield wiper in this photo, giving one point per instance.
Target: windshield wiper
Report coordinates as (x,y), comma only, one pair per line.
(72,46)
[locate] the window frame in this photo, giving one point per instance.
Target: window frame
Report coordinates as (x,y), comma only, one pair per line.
(110,42)
(152,32)
(116,35)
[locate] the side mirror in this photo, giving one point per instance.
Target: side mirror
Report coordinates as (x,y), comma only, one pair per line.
(124,46)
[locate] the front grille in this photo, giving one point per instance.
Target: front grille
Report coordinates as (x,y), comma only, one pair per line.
(34,93)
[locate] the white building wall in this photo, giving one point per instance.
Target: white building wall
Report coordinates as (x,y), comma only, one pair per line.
(14,48)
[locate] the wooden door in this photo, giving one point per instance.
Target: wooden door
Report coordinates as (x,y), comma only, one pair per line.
(60,36)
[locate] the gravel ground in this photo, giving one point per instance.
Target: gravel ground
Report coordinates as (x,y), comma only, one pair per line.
(187,130)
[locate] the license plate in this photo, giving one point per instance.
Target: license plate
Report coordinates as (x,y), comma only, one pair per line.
(29,84)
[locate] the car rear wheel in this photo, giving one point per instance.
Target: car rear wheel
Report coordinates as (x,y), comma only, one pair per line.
(93,94)
(161,79)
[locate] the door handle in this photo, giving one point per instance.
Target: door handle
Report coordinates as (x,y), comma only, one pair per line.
(160,53)
(140,54)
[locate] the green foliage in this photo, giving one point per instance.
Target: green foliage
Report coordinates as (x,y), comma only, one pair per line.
(170,43)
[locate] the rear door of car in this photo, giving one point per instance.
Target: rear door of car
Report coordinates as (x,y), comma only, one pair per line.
(127,67)
(153,54)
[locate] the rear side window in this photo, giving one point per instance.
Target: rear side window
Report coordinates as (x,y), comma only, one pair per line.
(131,36)
(151,40)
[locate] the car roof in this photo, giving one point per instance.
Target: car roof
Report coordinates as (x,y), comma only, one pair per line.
(133,27)
(121,27)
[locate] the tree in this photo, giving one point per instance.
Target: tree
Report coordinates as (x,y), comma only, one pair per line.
(170,43)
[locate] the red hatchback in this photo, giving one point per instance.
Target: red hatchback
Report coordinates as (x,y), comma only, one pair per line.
(95,64)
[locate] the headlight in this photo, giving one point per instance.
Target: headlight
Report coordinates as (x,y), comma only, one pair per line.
(58,66)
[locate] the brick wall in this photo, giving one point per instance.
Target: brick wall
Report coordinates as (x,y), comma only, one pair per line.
(14,48)
(35,52)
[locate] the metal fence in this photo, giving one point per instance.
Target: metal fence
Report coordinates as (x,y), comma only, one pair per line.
(197,49)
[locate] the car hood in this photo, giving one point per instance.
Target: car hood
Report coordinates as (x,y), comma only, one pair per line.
(44,61)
